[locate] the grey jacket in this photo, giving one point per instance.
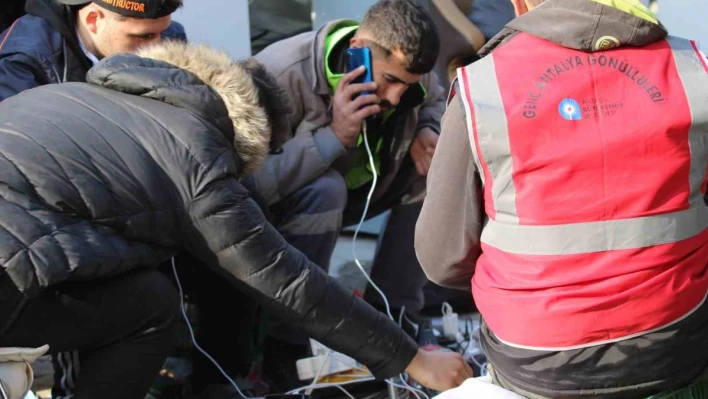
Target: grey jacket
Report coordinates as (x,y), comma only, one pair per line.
(299,65)
(144,161)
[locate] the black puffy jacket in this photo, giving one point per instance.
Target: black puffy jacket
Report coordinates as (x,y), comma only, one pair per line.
(123,172)
(42,48)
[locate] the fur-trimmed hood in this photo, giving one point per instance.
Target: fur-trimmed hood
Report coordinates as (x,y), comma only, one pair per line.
(198,78)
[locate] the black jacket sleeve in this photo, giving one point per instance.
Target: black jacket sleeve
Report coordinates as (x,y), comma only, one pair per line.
(226,229)
(18,73)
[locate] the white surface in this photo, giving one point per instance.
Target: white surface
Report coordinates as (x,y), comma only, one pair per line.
(450,322)
(481,387)
(16,379)
(686,18)
(220,23)
(336,362)
(308,368)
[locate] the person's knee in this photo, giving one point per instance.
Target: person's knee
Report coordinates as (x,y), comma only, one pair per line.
(163,307)
(329,192)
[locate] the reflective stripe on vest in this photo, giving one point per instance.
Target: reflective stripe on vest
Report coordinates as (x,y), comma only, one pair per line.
(594,169)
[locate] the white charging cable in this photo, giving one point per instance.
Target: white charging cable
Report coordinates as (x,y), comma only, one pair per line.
(319,373)
(372,164)
(361,268)
(363,219)
(409,388)
(339,385)
(194,340)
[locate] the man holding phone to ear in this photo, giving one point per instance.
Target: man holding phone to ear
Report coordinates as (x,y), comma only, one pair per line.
(321,180)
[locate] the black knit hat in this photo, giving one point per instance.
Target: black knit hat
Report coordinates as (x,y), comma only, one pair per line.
(150,9)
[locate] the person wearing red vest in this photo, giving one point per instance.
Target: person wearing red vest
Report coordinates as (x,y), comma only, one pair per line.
(569,187)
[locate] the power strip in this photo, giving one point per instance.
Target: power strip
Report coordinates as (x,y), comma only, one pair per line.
(336,363)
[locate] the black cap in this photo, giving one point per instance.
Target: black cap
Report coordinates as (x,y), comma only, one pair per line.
(150,9)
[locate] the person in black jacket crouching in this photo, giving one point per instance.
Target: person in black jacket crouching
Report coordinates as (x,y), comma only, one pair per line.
(101,181)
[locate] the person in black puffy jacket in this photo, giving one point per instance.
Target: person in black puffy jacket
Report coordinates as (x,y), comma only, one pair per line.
(102,181)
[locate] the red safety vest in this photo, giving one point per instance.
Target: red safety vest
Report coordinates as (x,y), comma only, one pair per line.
(594,170)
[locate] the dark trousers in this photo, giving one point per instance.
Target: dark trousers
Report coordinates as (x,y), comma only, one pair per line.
(225,325)
(109,337)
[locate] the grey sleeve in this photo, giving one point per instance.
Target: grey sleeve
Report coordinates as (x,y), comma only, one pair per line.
(305,157)
(433,109)
(311,147)
(447,237)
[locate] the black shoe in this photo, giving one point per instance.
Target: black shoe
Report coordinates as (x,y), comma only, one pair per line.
(279,369)
(172,381)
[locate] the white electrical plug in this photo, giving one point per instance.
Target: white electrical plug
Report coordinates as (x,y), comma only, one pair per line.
(451,322)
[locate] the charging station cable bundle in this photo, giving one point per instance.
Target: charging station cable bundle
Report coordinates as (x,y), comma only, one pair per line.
(391,382)
(330,355)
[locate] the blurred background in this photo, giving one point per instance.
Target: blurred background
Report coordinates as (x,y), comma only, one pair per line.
(267,21)
(272,20)
(245,27)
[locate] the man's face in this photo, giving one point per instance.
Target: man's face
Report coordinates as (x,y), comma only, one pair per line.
(392,78)
(390,74)
(113,34)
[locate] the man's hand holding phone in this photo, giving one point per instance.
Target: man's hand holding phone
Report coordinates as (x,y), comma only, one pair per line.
(349,109)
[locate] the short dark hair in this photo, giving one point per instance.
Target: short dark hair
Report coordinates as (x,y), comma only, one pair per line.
(405,26)
(274,100)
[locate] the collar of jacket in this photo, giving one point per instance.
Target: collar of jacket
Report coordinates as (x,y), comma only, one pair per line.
(199,79)
(318,57)
(586,25)
(634,7)
(63,21)
(339,33)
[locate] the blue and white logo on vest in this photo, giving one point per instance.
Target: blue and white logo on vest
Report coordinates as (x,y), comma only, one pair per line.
(570,110)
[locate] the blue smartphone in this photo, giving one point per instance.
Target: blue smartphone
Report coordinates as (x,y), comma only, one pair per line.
(357,57)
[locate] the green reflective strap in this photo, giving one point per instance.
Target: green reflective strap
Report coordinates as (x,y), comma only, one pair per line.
(634,7)
(361,172)
(698,390)
(425,91)
(338,33)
